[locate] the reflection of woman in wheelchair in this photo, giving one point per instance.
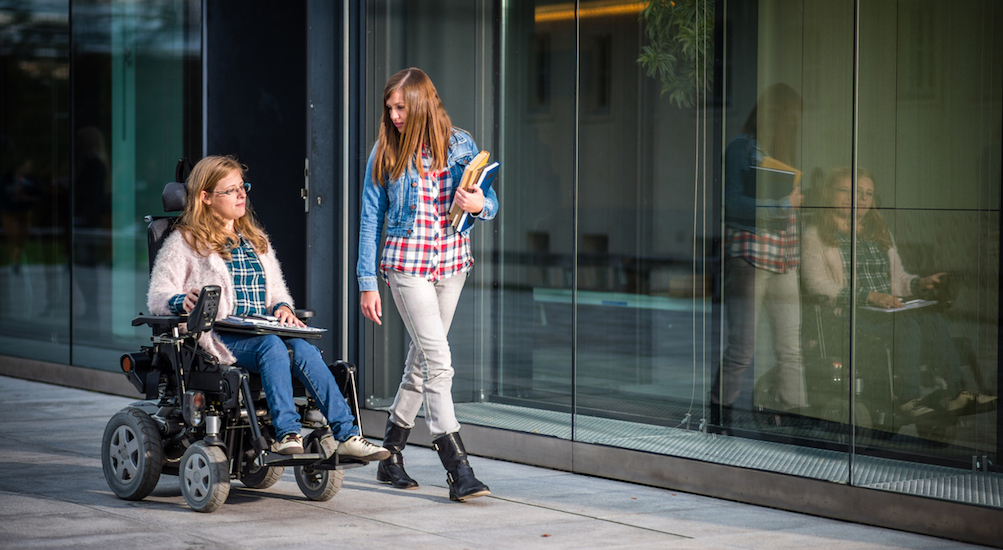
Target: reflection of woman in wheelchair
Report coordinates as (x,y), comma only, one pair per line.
(916,337)
(219,242)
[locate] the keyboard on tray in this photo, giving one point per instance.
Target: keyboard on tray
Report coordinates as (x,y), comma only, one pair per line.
(266,324)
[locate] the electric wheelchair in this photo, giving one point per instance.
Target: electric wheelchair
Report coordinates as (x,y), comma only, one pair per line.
(829,381)
(205,422)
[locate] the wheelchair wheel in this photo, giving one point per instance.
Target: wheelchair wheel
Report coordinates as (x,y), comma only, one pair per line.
(205,477)
(939,431)
(132,454)
(835,413)
(263,477)
(320,485)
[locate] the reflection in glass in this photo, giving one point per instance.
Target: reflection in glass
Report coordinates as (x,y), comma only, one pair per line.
(761,196)
(606,315)
(933,371)
(34,180)
(129,99)
(537,213)
(910,366)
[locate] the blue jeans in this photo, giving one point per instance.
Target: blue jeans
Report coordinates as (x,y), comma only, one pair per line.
(918,337)
(268,356)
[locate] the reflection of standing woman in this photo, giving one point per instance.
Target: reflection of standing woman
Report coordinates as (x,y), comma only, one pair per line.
(761,255)
(410,183)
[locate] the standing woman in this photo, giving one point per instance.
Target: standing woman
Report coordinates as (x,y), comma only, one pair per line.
(410,183)
(217,241)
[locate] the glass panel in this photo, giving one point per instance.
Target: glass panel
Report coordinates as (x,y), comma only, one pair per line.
(644,224)
(788,118)
(614,303)
(929,141)
(35,171)
(129,113)
(407,34)
(537,217)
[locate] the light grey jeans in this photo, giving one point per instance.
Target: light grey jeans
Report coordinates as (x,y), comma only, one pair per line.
(427,311)
(748,293)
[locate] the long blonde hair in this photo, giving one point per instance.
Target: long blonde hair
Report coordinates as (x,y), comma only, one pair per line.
(427,125)
(872,223)
(202,229)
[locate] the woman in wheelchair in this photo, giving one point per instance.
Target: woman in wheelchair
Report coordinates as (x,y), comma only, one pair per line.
(918,337)
(218,241)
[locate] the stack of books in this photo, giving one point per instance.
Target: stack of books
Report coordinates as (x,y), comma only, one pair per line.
(477,174)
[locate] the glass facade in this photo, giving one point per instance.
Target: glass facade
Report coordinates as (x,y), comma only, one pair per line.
(93,117)
(757,233)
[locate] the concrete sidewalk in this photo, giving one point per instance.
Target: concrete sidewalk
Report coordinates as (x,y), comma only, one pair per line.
(53,495)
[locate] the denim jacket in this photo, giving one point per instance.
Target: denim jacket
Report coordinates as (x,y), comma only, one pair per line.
(396,202)
(742,210)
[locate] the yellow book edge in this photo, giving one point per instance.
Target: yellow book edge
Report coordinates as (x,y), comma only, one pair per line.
(470,175)
(770,162)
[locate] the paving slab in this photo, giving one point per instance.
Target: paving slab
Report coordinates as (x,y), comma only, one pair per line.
(53,496)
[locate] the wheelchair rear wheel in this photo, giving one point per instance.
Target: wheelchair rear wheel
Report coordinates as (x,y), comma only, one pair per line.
(939,431)
(132,454)
(320,485)
(205,477)
(836,413)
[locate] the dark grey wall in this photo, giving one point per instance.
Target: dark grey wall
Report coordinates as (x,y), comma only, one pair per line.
(255,58)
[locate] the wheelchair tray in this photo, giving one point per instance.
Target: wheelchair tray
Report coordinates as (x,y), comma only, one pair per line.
(246,325)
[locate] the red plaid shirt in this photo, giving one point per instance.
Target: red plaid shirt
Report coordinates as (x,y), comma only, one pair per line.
(775,251)
(433,250)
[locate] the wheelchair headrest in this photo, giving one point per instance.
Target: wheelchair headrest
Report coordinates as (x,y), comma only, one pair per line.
(175,196)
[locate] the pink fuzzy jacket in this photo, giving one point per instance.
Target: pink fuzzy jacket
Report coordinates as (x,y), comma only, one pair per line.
(179,268)
(822,268)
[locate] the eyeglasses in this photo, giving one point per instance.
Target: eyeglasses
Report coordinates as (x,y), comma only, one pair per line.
(246,187)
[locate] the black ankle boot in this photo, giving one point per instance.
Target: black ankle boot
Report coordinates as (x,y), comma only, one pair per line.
(459,474)
(391,470)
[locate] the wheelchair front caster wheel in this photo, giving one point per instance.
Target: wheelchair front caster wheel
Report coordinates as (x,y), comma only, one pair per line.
(263,478)
(319,485)
(205,477)
(132,454)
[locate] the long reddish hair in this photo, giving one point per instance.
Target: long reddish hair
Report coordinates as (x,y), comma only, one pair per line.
(427,125)
(872,223)
(202,229)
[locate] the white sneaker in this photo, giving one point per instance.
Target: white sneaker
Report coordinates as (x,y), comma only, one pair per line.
(291,444)
(357,447)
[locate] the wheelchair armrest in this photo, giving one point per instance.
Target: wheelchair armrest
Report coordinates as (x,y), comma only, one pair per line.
(304,314)
(160,323)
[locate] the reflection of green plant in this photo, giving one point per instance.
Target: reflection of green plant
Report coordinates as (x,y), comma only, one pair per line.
(681,40)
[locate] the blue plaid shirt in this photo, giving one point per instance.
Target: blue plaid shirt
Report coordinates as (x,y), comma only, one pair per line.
(248,283)
(873,269)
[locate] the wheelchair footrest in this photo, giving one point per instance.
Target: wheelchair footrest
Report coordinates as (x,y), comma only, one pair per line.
(315,460)
(305,459)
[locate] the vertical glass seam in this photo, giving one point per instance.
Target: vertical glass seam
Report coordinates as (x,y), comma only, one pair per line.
(574,223)
(346,272)
(854,108)
(73,180)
